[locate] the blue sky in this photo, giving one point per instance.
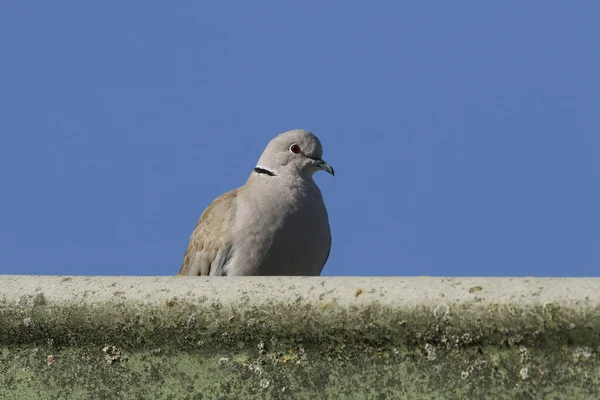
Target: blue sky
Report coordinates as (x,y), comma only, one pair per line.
(465,135)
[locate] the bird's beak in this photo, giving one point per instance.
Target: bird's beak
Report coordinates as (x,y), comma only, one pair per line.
(324,166)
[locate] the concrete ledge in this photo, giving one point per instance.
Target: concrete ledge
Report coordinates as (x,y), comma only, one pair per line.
(340,338)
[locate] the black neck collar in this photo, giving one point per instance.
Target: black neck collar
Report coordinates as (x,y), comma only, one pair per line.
(260,170)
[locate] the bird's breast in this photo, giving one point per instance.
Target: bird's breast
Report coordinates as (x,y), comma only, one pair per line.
(286,235)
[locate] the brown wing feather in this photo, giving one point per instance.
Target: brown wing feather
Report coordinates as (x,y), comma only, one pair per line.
(210,240)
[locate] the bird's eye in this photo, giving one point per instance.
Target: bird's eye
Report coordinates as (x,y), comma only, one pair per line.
(295,148)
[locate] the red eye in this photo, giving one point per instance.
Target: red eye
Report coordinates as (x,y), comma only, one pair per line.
(295,148)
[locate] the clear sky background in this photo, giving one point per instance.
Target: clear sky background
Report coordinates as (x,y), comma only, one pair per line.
(465,135)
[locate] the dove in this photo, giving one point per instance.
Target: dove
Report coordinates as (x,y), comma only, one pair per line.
(275,224)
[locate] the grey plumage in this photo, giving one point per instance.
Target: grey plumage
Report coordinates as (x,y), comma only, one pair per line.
(275,224)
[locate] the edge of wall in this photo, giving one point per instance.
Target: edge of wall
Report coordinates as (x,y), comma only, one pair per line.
(298,337)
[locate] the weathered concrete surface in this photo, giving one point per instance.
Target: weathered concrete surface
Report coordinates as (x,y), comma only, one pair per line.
(313,338)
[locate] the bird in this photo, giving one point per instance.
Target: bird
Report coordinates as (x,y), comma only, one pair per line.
(275,224)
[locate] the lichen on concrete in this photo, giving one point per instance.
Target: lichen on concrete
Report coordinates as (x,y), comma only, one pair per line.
(171,338)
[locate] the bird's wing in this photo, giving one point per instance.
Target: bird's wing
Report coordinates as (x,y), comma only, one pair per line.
(210,244)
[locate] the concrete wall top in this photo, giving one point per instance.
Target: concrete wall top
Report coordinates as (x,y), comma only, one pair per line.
(298,337)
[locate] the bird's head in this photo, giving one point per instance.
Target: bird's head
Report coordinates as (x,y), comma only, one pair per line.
(295,152)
